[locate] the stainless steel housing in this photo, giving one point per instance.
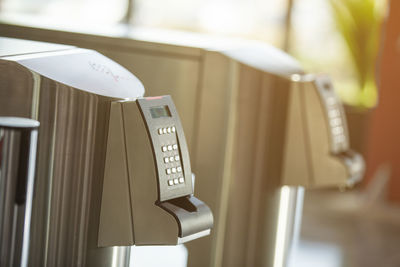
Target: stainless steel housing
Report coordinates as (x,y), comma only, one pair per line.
(68,90)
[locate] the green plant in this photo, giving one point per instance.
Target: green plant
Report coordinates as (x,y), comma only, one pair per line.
(359,23)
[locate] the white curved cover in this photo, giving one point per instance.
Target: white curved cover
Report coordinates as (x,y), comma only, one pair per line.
(84,69)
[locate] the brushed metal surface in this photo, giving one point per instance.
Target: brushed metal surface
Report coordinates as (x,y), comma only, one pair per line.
(69,172)
(69,175)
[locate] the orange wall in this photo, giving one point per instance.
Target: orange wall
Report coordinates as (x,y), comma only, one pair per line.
(384,133)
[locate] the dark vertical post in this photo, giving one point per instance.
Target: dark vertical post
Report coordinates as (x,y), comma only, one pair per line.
(18,139)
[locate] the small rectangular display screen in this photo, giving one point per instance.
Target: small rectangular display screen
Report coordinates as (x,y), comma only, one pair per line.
(159,112)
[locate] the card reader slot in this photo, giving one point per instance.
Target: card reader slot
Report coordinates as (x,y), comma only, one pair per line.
(183,203)
(191,214)
(355,165)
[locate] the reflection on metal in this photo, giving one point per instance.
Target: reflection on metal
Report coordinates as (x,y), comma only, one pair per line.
(296,225)
(289,222)
(29,197)
(281,234)
(115,257)
(120,256)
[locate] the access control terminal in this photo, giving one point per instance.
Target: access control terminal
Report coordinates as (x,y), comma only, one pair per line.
(169,147)
(317,139)
(147,191)
(336,118)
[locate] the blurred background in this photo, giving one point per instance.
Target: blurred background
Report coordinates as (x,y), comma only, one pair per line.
(339,37)
(356,42)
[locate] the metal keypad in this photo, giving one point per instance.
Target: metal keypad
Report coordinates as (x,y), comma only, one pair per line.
(335,121)
(171,158)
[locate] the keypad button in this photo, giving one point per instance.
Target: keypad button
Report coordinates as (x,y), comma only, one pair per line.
(340,138)
(171,159)
(176,181)
(164,130)
(181,180)
(169,130)
(175,146)
(173,129)
(333,113)
(336,122)
(168,171)
(160,131)
(164,148)
(179,169)
(176,157)
(173,170)
(337,130)
(331,101)
(170,182)
(166,159)
(169,147)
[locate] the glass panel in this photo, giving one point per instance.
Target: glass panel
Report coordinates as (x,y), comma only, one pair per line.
(256,19)
(89,11)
